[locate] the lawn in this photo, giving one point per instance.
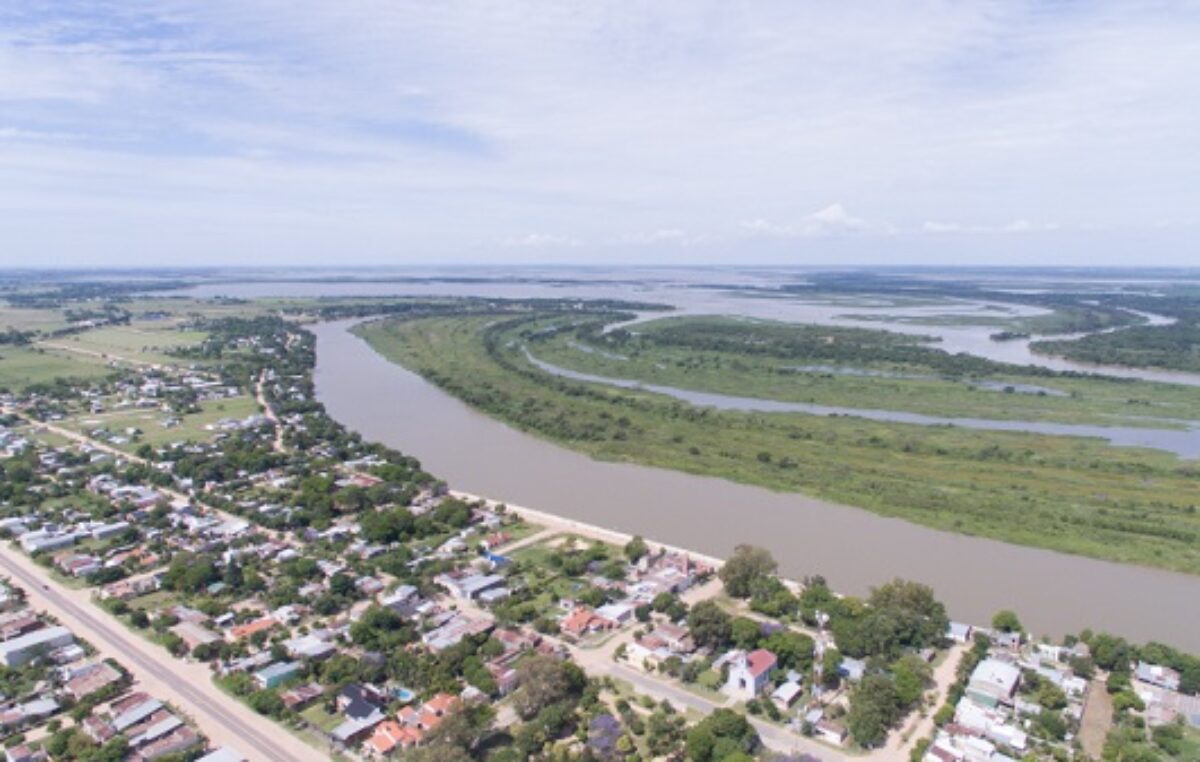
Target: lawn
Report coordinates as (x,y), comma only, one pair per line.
(316,716)
(192,427)
(28,319)
(1063,493)
(159,599)
(21,367)
(146,341)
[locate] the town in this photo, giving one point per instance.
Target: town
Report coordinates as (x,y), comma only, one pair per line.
(204,565)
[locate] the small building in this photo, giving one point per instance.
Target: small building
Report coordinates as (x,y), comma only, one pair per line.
(277,674)
(786,695)
(1163,677)
(831,732)
(993,682)
(23,649)
(852,669)
(749,673)
(959,632)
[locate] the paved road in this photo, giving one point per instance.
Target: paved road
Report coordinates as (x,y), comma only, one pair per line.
(186,685)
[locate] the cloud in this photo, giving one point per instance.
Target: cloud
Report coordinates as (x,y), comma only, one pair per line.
(664,236)
(1016,226)
(305,130)
(542,240)
(830,220)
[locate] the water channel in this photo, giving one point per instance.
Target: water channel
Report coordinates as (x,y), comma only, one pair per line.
(1053,592)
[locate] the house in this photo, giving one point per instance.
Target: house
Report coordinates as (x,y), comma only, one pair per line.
(250,628)
(357,702)
(504,676)
(194,634)
(993,682)
(583,620)
(677,638)
(23,649)
(314,646)
(91,678)
(453,630)
(749,673)
(1163,677)
(469,585)
(390,735)
(24,753)
(277,674)
(959,632)
(831,732)
(301,695)
(618,613)
(786,695)
(852,669)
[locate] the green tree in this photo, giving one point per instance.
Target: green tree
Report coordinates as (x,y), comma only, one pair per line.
(1006,621)
(748,565)
(709,624)
(635,549)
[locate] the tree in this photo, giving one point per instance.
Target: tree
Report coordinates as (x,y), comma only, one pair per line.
(463,727)
(874,707)
(794,650)
(747,565)
(545,680)
(635,549)
(723,735)
(911,674)
(1006,621)
(746,633)
(709,625)
(266,702)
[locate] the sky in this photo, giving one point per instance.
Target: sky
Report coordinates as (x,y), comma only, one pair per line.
(393,132)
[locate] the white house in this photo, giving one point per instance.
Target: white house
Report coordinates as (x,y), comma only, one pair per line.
(749,673)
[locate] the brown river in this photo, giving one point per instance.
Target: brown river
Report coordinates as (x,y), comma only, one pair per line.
(1054,593)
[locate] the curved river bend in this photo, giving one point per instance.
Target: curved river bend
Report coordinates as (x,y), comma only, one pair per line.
(1182,442)
(1054,593)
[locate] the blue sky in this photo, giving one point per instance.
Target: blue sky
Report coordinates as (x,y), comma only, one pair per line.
(386,132)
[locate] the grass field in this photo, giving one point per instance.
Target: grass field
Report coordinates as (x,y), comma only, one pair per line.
(27,319)
(1064,493)
(192,427)
(1068,400)
(139,342)
(21,367)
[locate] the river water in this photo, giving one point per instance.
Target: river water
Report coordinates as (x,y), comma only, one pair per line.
(1054,593)
(1182,442)
(707,291)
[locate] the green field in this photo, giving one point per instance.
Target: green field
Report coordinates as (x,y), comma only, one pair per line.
(191,427)
(148,342)
(1064,493)
(651,357)
(29,319)
(21,367)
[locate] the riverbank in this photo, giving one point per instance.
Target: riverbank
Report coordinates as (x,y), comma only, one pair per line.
(854,549)
(1063,493)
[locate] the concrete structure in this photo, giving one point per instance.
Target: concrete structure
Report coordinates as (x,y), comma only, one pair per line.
(22,649)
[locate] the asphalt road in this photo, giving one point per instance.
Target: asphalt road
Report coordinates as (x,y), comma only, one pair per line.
(275,746)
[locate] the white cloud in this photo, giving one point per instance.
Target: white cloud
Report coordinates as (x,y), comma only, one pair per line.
(446,129)
(542,240)
(663,236)
(830,220)
(1016,226)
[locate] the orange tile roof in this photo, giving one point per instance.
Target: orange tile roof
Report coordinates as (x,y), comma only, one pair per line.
(577,621)
(387,734)
(258,625)
(441,703)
